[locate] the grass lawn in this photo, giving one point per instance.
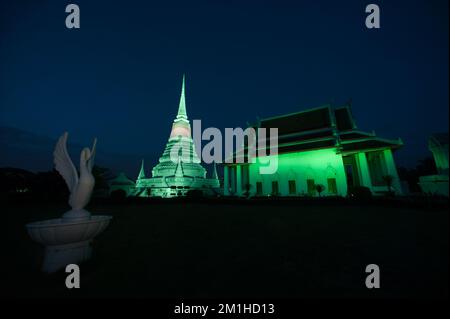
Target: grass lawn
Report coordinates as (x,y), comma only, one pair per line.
(248,249)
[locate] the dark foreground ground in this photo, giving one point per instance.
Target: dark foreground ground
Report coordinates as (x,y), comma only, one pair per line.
(240,249)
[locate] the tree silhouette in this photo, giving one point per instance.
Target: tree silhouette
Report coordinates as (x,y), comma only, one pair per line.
(319,188)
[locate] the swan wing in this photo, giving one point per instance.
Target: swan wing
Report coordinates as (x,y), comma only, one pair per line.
(64,164)
(92,157)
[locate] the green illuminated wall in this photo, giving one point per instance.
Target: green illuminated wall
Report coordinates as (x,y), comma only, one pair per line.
(318,165)
(326,167)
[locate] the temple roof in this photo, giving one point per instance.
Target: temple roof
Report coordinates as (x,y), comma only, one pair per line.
(299,122)
(121,179)
(439,139)
(311,120)
(344,118)
(319,128)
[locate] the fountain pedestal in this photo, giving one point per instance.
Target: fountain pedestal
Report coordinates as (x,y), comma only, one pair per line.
(66,241)
(58,257)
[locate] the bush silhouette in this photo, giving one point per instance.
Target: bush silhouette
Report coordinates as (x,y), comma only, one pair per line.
(118,194)
(360,192)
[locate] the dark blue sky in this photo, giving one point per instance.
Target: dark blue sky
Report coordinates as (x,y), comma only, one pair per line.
(119,76)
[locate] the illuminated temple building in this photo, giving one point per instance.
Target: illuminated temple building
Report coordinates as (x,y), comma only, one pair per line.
(179,170)
(321,146)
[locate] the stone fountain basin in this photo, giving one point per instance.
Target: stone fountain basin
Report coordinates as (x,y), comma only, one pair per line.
(55,232)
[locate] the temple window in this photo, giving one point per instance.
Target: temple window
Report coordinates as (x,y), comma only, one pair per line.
(292,187)
(311,187)
(275,188)
(332,187)
(259,189)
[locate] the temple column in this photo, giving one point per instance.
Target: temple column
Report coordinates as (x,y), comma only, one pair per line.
(364,173)
(232,180)
(238,181)
(226,182)
(341,177)
(392,170)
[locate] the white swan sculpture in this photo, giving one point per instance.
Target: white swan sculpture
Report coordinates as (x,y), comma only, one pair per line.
(80,187)
(67,240)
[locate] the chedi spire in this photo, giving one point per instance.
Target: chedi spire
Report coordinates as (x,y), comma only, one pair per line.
(181,126)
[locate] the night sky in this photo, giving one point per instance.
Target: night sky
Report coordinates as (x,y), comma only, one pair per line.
(119,76)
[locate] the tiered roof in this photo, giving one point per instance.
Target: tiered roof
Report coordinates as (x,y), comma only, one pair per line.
(319,128)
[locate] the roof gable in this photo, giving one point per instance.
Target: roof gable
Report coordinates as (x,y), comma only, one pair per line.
(344,119)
